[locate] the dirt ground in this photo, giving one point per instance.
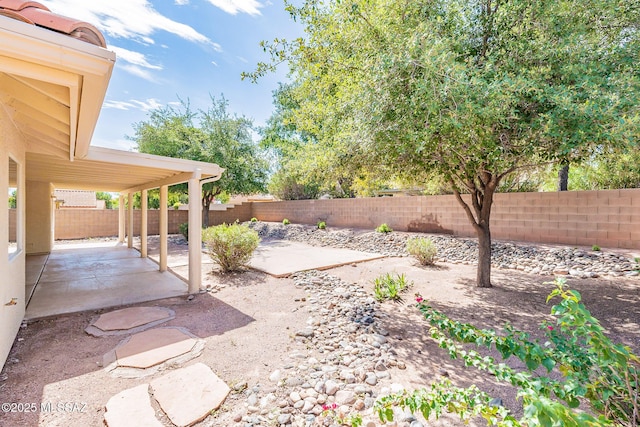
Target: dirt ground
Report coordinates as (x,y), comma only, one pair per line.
(249,325)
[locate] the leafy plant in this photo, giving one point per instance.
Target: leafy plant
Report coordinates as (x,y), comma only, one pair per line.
(285,221)
(184,230)
(422,249)
(322,225)
(230,246)
(176,206)
(595,248)
(254,219)
(384,228)
(592,368)
(388,287)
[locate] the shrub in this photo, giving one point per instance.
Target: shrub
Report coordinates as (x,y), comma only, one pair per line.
(384,228)
(595,248)
(387,287)
(184,230)
(230,246)
(285,221)
(176,206)
(322,225)
(423,250)
(254,219)
(591,368)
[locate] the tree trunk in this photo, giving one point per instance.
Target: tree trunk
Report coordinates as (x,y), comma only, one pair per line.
(483,272)
(563,177)
(205,212)
(481,201)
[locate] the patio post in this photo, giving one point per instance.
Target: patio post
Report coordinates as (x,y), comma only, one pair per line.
(130,224)
(121,218)
(143,223)
(195,233)
(164,227)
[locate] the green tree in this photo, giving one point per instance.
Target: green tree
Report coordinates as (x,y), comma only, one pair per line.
(213,135)
(108,199)
(471,90)
(13,199)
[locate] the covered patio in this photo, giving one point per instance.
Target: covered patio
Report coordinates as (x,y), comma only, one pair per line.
(90,276)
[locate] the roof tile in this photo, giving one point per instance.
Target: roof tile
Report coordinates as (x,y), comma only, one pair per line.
(34,13)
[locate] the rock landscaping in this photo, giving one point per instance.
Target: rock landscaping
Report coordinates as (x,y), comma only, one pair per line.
(528,258)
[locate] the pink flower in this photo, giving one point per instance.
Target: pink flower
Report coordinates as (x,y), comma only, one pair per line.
(419,299)
(325,407)
(334,405)
(550,328)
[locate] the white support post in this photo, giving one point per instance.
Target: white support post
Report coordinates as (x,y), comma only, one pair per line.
(121,218)
(143,223)
(164,227)
(195,234)
(130,224)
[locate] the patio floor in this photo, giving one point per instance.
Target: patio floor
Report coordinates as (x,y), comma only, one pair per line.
(90,276)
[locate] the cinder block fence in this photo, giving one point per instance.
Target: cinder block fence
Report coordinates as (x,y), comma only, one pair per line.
(608,218)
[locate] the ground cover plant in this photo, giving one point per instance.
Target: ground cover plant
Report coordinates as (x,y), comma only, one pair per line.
(384,228)
(388,287)
(592,368)
(230,246)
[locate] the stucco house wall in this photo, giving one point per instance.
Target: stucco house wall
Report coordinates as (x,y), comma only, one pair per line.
(12,266)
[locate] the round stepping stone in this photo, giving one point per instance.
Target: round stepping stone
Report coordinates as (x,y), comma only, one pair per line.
(188,395)
(129,405)
(129,320)
(154,346)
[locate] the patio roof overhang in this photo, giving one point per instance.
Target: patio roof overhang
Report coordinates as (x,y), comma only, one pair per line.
(52,86)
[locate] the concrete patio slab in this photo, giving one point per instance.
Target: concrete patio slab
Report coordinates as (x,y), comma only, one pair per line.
(154,346)
(188,395)
(281,258)
(129,320)
(131,406)
(94,276)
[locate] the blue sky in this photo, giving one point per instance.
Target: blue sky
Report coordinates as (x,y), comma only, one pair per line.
(181,48)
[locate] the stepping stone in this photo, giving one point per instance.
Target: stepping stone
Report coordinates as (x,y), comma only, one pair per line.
(188,395)
(129,320)
(129,406)
(154,346)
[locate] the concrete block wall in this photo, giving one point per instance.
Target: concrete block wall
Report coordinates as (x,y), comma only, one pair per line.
(82,223)
(608,218)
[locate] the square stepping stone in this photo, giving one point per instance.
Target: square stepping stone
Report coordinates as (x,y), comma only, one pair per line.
(131,406)
(188,395)
(154,346)
(128,320)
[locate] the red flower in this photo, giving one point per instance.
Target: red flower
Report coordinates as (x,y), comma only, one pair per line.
(419,299)
(550,328)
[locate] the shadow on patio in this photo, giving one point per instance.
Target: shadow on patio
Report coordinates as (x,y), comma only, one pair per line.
(89,276)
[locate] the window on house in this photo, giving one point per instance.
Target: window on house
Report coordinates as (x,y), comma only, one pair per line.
(14,194)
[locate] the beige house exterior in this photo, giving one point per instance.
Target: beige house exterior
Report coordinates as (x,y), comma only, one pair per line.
(54,73)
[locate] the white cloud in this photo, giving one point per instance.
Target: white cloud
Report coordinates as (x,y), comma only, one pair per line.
(133,104)
(130,19)
(134,58)
(139,72)
(243,59)
(214,63)
(181,2)
(252,7)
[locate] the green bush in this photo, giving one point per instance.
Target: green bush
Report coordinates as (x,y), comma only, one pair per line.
(184,230)
(595,248)
(230,246)
(423,250)
(387,287)
(285,221)
(384,228)
(254,219)
(322,225)
(587,367)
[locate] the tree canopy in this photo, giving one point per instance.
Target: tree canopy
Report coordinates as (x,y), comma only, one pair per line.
(213,135)
(470,90)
